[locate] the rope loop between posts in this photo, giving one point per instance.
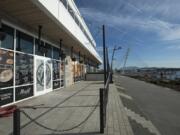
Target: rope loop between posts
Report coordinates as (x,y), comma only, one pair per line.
(60,130)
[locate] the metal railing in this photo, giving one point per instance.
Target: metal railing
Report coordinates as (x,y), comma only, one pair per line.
(103,92)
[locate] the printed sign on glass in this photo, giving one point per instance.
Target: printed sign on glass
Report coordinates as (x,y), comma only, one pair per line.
(56,84)
(6,96)
(24,69)
(6,68)
(24,92)
(48,74)
(40,75)
(62,70)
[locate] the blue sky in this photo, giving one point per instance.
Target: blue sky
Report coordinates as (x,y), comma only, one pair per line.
(150,28)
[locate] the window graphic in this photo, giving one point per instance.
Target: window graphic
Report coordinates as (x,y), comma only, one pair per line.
(56,71)
(56,74)
(62,68)
(48,74)
(24,69)
(6,96)
(40,75)
(6,68)
(24,92)
(77,71)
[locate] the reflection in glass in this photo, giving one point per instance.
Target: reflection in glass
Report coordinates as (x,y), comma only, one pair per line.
(48,50)
(8,42)
(38,48)
(24,43)
(56,53)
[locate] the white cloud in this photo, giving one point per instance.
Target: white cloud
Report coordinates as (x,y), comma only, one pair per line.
(173,47)
(166,30)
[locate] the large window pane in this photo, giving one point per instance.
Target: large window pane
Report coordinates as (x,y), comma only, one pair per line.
(64,3)
(24,43)
(38,50)
(24,69)
(6,68)
(71,11)
(56,70)
(48,50)
(56,74)
(56,53)
(8,42)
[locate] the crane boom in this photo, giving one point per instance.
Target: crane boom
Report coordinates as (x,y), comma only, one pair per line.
(126,58)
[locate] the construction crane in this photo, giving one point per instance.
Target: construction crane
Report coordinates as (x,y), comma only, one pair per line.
(125,60)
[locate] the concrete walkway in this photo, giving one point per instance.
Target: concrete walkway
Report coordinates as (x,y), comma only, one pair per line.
(68,108)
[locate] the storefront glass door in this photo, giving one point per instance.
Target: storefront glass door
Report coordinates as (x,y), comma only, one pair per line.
(43,75)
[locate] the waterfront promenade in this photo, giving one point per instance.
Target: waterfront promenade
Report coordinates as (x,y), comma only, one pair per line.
(76,108)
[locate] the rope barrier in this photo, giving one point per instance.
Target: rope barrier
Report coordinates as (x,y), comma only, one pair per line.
(50,109)
(61,130)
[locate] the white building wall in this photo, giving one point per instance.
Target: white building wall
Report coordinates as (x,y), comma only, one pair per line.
(57,9)
(78,14)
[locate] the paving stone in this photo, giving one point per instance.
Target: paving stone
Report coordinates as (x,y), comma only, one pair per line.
(60,113)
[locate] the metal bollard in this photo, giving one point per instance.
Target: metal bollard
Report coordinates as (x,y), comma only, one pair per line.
(101,90)
(111,78)
(16,122)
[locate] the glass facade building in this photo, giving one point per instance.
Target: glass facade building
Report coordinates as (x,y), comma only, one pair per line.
(26,71)
(34,61)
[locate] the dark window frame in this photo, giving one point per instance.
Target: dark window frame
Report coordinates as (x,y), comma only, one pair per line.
(20,36)
(57,55)
(10,31)
(48,48)
(38,47)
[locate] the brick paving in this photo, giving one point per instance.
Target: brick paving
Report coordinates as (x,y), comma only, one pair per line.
(69,107)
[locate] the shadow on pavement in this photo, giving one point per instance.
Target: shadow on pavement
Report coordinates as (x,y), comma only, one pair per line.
(86,133)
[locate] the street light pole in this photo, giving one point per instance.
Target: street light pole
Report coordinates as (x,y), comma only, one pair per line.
(115,49)
(112,59)
(104,54)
